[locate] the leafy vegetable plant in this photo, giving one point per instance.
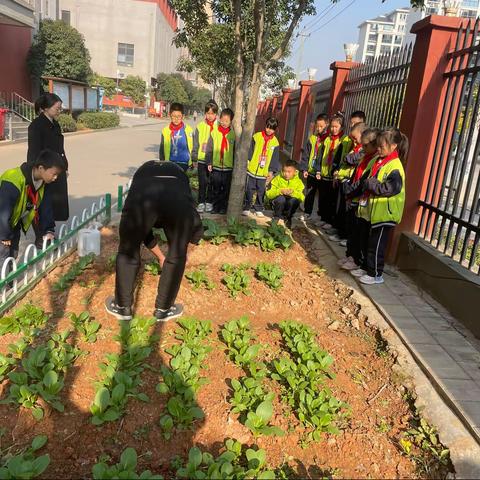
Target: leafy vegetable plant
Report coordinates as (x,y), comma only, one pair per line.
(26,320)
(236,279)
(25,465)
(270,273)
(86,326)
(73,272)
(198,278)
(213,232)
(153,268)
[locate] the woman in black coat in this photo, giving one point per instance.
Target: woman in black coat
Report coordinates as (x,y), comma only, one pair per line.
(45,132)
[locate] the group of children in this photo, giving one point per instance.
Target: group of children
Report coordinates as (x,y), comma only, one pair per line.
(360,182)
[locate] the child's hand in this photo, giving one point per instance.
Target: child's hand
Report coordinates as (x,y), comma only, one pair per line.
(287,191)
(7,243)
(305,174)
(318,176)
(210,168)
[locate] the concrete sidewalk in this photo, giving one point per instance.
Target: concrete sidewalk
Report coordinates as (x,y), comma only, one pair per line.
(446,351)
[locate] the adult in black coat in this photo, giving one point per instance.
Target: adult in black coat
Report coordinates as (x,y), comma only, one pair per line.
(45,132)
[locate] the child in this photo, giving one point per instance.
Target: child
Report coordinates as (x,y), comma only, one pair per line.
(219,157)
(335,143)
(342,173)
(263,161)
(286,193)
(22,201)
(357,117)
(310,153)
(200,140)
(358,228)
(383,199)
(177,139)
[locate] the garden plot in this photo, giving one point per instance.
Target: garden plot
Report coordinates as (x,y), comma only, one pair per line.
(273,373)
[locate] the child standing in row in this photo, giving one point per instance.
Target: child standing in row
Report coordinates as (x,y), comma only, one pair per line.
(310,154)
(176,144)
(201,137)
(263,161)
(286,193)
(219,158)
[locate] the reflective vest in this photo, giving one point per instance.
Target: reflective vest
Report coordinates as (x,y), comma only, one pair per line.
(345,170)
(203,137)
(279,183)
(312,158)
(379,210)
(326,166)
(167,141)
(227,162)
(20,212)
(255,166)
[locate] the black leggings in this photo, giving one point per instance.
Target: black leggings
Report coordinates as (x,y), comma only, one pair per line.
(313,186)
(159,197)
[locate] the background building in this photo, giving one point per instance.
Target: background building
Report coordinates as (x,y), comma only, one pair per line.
(382,34)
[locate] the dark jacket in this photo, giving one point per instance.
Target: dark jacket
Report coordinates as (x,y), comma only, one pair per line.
(8,198)
(42,133)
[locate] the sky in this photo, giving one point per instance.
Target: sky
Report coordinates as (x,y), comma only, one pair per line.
(325,46)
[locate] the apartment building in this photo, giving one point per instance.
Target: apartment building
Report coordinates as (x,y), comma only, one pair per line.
(382,34)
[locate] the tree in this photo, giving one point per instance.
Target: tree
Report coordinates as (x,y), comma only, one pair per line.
(108,84)
(134,87)
(200,98)
(58,50)
(170,89)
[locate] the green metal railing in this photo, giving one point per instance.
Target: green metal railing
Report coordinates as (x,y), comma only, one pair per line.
(22,277)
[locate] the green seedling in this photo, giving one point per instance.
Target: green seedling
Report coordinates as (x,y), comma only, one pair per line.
(153,268)
(213,232)
(26,320)
(111,262)
(86,326)
(198,278)
(270,274)
(236,279)
(74,271)
(27,464)
(126,468)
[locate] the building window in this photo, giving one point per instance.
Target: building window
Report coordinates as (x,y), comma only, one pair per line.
(125,55)
(371,48)
(387,39)
(385,49)
(66,16)
(372,37)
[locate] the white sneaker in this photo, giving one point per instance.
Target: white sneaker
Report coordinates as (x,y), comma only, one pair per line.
(246,213)
(350,265)
(334,238)
(359,272)
(201,208)
(208,208)
(344,260)
(368,280)
(259,214)
(326,226)
(343,243)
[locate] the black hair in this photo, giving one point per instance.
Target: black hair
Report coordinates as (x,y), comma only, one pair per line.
(337,118)
(271,123)
(392,136)
(45,101)
(211,105)
(48,159)
(322,116)
(359,114)
(370,135)
(290,163)
(227,111)
(176,107)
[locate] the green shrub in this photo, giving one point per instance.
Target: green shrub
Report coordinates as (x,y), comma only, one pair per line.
(67,122)
(96,120)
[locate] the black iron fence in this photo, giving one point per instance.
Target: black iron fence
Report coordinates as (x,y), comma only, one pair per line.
(449,215)
(378,87)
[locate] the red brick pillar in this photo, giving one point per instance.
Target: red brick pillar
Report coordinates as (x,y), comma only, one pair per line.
(304,106)
(424,98)
(341,71)
(282,128)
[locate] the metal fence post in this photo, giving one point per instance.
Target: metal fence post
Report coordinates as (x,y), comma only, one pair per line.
(120,198)
(108,208)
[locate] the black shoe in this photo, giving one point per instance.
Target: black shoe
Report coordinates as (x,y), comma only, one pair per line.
(174,311)
(120,313)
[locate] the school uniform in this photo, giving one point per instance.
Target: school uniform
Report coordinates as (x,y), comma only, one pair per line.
(22,203)
(333,147)
(310,154)
(220,155)
(263,158)
(383,201)
(285,206)
(201,137)
(176,145)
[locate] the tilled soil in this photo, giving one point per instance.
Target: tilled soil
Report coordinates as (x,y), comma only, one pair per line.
(366,447)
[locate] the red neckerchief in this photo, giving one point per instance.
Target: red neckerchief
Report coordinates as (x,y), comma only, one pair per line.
(362,166)
(175,128)
(333,139)
(320,138)
(357,147)
(210,124)
(224,131)
(33,197)
(266,139)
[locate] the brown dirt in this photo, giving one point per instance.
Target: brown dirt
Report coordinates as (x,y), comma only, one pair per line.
(361,450)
